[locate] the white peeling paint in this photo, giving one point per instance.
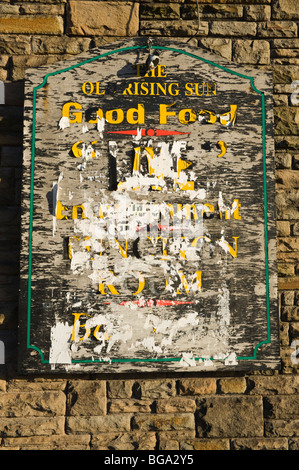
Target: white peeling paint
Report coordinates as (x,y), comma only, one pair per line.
(64,123)
(60,352)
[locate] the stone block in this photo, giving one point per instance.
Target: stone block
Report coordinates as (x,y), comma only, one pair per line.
(31,426)
(259,444)
(121,388)
(288,143)
(28,404)
(212,11)
(175,405)
(251,52)
(285,74)
(205,444)
(283,160)
(32,25)
(174,28)
(232,385)
(71,442)
(197,386)
(285,9)
(233,28)
(289,313)
(157,11)
(86,398)
(10,44)
(288,244)
(129,405)
(283,228)
(220,46)
(287,178)
(286,120)
(54,45)
(124,441)
(163,422)
(98,424)
(88,18)
(257,12)
(282,428)
(281,407)
(157,388)
(233,416)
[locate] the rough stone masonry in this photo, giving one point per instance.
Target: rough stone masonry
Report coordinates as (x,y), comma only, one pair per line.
(228,412)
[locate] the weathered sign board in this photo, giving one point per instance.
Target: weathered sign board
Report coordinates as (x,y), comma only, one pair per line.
(148,225)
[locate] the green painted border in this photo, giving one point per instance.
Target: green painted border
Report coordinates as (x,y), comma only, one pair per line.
(174,359)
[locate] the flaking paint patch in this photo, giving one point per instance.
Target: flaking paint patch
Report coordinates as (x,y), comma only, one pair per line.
(60,344)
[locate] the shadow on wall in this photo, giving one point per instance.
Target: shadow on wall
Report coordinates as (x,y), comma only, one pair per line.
(11,140)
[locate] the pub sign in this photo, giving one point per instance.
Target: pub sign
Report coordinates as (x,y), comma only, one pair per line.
(148,219)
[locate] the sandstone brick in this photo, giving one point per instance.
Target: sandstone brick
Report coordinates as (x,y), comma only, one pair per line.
(212,11)
(232,385)
(159,11)
(220,46)
(124,441)
(287,178)
(10,44)
(229,416)
(40,9)
(87,398)
(277,29)
(233,28)
(286,120)
(286,269)
(286,43)
(294,331)
(3,384)
(287,203)
(257,12)
(31,426)
(197,386)
(282,428)
(285,74)
(288,244)
(46,403)
(174,28)
(283,228)
(176,405)
(259,444)
(288,283)
(205,444)
(281,407)
(54,45)
(287,298)
(293,444)
(285,9)
(157,388)
(32,25)
(280,100)
(251,52)
(99,424)
(284,333)
(35,385)
(102,18)
(71,442)
(289,313)
(163,422)
(121,388)
(129,405)
(283,160)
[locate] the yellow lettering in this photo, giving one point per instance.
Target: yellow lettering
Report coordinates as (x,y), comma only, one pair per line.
(140,115)
(164,113)
(77,115)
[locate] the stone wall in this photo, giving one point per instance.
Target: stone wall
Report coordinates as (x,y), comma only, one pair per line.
(191,412)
